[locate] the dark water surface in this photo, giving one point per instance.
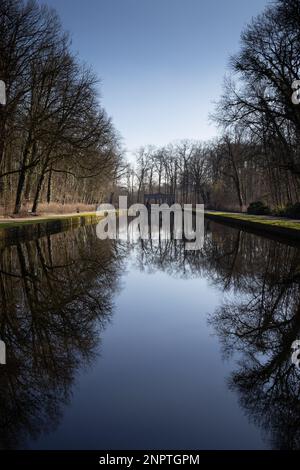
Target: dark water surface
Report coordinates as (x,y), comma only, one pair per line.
(119,346)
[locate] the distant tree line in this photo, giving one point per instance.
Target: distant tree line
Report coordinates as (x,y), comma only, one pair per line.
(57,143)
(257,157)
(212,173)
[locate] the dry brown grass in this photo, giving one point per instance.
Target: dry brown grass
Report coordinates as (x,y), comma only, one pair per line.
(55,208)
(52,208)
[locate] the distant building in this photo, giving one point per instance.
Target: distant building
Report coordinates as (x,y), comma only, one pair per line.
(159,198)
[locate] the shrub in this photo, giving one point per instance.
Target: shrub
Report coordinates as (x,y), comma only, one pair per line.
(258,208)
(279,211)
(293,211)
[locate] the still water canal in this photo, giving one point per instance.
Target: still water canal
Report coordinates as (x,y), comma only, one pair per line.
(147,346)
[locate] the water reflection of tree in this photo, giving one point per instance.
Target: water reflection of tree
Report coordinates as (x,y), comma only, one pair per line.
(257,322)
(170,256)
(55,294)
(260,322)
(214,260)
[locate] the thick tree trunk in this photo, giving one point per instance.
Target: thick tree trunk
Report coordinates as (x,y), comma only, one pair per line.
(240,194)
(22,175)
(37,193)
(20,188)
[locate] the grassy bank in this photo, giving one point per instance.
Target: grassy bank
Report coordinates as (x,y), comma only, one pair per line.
(18,222)
(275,225)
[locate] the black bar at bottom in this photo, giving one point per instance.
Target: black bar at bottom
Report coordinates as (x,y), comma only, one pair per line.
(135,459)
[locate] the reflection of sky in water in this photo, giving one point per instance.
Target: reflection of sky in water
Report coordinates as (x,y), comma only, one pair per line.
(160,381)
(146,345)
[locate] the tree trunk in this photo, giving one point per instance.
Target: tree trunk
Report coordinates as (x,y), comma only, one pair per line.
(22,175)
(2,134)
(49,186)
(37,192)
(2,144)
(20,188)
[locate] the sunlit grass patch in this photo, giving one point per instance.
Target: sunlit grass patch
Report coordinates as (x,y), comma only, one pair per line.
(262,220)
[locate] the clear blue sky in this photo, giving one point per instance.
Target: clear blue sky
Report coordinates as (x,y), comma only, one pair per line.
(161,62)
